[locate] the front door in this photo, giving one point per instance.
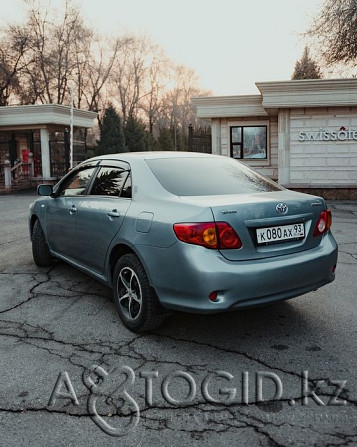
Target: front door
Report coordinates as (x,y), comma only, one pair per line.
(62,212)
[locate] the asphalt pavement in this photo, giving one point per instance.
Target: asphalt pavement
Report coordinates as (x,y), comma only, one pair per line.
(73,375)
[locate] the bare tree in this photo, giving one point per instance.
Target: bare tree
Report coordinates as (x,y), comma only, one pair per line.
(55,44)
(12,61)
(177,111)
(72,39)
(129,74)
(154,87)
(93,68)
(40,59)
(334,31)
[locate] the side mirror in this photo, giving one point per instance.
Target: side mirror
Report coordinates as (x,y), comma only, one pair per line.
(45,190)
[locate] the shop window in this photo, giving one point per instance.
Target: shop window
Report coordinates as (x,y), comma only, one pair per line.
(248,142)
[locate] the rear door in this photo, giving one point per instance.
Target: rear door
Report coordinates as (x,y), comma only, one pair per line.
(101,214)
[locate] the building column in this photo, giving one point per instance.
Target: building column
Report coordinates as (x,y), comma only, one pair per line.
(284,147)
(7,172)
(45,154)
(216,136)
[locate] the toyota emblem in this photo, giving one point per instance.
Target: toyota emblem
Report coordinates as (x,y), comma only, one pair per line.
(282,208)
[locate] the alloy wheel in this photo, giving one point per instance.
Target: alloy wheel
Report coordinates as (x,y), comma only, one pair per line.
(129,293)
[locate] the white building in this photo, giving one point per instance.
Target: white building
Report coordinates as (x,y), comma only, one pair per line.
(301,133)
(26,130)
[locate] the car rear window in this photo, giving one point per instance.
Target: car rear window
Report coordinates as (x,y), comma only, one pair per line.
(208,176)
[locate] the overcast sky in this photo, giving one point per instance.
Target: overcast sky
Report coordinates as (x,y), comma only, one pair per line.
(230,44)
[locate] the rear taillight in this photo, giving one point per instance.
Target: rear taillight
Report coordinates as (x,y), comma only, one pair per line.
(324,223)
(219,235)
(227,237)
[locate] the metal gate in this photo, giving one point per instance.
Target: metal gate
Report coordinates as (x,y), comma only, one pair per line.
(199,139)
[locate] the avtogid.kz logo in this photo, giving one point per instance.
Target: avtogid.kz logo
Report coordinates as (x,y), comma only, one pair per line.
(104,395)
(125,402)
(111,393)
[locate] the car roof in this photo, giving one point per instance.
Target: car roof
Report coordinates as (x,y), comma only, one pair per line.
(152,155)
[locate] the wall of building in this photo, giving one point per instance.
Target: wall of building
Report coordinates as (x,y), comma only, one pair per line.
(319,155)
(221,141)
(312,138)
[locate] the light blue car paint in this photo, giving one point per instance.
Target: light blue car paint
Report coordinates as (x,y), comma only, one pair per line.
(183,275)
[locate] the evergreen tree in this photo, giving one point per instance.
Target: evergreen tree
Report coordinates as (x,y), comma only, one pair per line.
(152,143)
(111,139)
(306,67)
(165,140)
(136,135)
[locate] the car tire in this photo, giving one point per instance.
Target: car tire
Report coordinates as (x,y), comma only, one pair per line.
(136,302)
(40,251)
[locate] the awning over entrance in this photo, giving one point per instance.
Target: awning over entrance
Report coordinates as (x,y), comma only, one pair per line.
(37,116)
(42,118)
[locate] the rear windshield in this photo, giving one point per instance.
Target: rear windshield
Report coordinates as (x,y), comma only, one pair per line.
(208,176)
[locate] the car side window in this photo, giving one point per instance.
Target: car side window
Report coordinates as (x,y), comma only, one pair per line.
(77,183)
(109,182)
(126,191)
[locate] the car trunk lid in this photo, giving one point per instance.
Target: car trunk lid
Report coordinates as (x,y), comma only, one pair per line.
(270,223)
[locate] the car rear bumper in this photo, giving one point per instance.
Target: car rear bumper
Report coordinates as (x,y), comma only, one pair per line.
(184,275)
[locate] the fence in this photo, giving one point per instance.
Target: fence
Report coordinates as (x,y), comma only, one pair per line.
(21,172)
(58,169)
(199,139)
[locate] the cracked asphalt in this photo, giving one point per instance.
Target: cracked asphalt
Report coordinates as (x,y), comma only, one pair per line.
(57,323)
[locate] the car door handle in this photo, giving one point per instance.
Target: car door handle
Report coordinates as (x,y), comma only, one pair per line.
(73,209)
(113,213)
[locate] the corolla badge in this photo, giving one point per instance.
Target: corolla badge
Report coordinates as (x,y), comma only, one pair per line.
(282,208)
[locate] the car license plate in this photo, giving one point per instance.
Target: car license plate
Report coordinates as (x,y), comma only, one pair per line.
(280,234)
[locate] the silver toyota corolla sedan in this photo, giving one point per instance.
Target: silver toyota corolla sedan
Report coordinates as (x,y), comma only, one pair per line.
(183,231)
